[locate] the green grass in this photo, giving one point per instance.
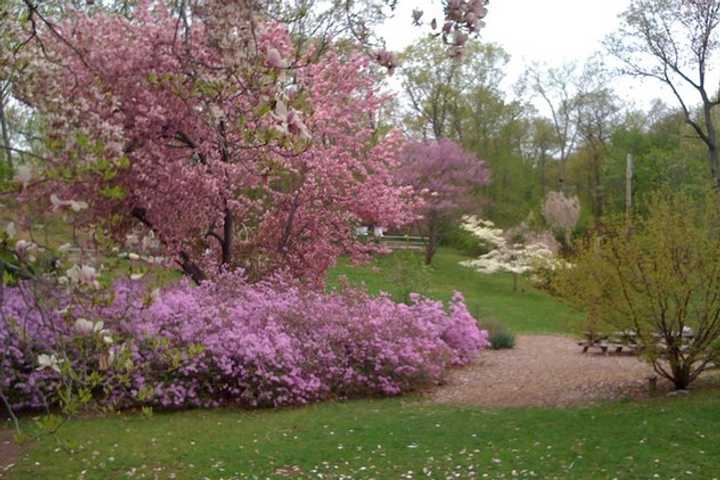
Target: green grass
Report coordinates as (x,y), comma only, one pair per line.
(384,439)
(488,296)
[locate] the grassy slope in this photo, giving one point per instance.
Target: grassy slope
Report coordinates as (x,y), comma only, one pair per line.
(383,439)
(487,296)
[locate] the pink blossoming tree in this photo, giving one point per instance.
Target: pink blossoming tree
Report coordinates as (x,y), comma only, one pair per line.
(446,176)
(232,148)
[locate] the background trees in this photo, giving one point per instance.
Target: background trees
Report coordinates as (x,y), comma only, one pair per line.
(676,43)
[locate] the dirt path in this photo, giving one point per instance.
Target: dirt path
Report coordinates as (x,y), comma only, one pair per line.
(545,371)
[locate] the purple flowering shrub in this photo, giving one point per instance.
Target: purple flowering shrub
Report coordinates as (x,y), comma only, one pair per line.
(230,342)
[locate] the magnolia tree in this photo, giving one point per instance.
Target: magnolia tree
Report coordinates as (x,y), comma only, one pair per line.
(562,212)
(446,176)
(506,255)
(229,148)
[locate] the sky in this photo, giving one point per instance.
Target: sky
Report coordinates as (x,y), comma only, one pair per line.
(546,31)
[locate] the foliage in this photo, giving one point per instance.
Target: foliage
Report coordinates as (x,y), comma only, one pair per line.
(676,43)
(658,276)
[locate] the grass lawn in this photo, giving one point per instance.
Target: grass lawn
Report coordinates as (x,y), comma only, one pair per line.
(488,296)
(393,439)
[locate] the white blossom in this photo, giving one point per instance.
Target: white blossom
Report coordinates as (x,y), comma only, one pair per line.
(11,230)
(83,326)
(24,174)
(48,361)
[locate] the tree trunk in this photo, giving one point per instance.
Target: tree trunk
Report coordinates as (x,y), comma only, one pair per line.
(680,372)
(227,238)
(431,246)
(714,158)
(189,268)
(5,135)
(543,174)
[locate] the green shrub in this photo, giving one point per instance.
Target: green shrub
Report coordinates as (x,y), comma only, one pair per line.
(498,335)
(658,276)
(463,241)
(502,340)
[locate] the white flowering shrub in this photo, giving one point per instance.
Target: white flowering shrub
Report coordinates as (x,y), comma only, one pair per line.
(534,258)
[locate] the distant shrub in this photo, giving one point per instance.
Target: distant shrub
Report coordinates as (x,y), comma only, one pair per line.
(499,336)
(502,340)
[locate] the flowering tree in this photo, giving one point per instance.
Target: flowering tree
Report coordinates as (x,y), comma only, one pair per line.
(447,177)
(506,256)
(229,148)
(562,212)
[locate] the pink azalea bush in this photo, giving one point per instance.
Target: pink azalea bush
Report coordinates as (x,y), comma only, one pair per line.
(266,344)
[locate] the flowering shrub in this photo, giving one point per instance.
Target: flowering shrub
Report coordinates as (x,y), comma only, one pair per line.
(535,257)
(562,212)
(265,344)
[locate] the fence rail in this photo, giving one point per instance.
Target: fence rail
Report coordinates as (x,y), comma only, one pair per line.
(404,242)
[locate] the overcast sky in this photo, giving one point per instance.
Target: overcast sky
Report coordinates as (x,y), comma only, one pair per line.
(547,31)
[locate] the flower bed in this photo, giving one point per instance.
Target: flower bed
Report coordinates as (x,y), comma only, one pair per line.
(228,342)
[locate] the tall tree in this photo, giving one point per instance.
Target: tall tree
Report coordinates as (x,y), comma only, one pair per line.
(557,88)
(437,85)
(676,42)
(596,115)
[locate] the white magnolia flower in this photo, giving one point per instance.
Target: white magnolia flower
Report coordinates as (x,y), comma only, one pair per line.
(131,239)
(24,174)
(136,276)
(149,242)
(108,340)
(77,205)
(87,274)
(84,275)
(83,326)
(11,230)
(99,326)
(134,256)
(48,361)
(56,202)
(26,248)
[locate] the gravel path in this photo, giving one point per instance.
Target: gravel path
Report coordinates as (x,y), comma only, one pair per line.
(544,371)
